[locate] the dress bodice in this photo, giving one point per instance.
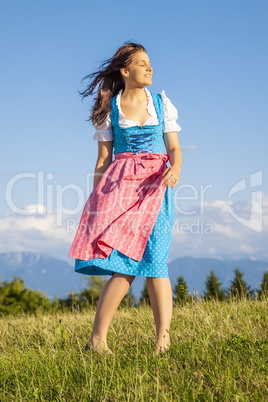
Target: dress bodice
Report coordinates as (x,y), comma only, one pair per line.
(136,139)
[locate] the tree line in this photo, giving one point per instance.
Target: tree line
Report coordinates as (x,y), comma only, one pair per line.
(16,298)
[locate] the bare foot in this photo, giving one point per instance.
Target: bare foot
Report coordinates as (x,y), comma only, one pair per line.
(161,350)
(163,344)
(99,345)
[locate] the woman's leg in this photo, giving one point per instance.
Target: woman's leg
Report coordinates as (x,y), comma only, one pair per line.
(160,293)
(109,300)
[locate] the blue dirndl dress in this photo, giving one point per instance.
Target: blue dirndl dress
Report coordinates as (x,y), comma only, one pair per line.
(136,139)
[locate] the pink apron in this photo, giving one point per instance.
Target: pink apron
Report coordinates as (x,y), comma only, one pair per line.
(122,209)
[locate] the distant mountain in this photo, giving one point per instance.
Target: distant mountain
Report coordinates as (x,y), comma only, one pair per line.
(51,275)
(56,277)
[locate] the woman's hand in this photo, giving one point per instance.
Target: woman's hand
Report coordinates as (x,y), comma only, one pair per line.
(170,174)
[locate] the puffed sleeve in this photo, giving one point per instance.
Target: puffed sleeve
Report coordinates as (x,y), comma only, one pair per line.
(104,132)
(171,115)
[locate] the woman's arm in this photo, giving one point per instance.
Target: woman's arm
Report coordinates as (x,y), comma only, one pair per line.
(105,155)
(173,149)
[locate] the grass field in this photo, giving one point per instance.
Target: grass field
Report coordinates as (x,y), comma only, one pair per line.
(219,352)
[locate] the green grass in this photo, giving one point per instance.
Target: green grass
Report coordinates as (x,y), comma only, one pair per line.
(218,353)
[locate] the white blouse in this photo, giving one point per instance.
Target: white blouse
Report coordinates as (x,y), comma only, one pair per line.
(105,133)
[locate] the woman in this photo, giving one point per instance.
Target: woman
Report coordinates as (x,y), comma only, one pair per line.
(126,226)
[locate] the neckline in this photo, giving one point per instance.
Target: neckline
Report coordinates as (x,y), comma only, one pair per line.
(147,91)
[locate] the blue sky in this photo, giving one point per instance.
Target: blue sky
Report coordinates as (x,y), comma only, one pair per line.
(210,57)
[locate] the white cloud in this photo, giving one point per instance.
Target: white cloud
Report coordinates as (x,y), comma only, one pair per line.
(39,233)
(230,237)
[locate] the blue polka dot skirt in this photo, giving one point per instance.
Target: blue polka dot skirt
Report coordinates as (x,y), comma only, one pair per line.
(154,260)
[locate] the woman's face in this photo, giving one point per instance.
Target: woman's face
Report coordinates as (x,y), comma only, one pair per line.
(139,70)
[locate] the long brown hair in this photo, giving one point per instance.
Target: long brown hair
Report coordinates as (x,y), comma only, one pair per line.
(109,79)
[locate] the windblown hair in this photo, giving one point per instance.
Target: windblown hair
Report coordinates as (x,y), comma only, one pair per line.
(109,80)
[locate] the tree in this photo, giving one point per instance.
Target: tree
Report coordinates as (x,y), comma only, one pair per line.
(264,285)
(239,286)
(15,298)
(213,287)
(92,293)
(145,294)
(87,296)
(180,290)
(128,299)
(72,301)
